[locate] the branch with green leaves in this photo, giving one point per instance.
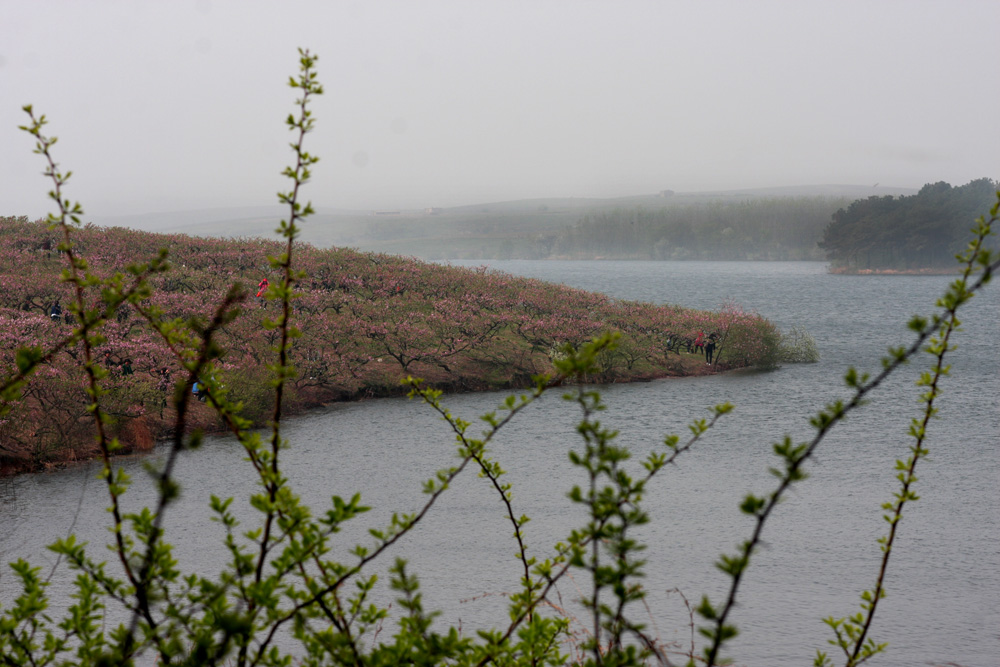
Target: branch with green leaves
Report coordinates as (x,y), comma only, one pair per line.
(851,634)
(978,266)
(284,292)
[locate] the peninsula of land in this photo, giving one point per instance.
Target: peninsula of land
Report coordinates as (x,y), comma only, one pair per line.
(366,321)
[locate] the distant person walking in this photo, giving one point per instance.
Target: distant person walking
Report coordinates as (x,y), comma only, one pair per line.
(710,349)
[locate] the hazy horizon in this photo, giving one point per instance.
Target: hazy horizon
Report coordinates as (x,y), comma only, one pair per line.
(179,106)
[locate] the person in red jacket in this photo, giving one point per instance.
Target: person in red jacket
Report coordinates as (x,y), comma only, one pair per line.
(261,288)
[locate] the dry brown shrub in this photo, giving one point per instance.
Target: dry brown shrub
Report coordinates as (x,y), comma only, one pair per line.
(136,435)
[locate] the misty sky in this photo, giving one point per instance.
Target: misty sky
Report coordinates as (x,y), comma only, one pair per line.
(163,106)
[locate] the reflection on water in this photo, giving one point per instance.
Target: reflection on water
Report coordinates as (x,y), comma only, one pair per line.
(821,552)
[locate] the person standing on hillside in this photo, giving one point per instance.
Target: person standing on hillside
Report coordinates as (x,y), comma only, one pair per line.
(710,349)
(109,364)
(163,386)
(262,290)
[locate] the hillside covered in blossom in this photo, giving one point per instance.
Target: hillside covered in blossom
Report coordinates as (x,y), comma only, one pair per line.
(366,321)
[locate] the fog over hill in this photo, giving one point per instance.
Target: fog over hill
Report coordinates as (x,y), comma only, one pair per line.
(491,229)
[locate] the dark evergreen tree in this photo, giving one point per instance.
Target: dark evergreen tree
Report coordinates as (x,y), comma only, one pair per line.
(921,231)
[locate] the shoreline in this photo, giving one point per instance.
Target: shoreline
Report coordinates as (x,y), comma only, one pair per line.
(691,365)
(847,271)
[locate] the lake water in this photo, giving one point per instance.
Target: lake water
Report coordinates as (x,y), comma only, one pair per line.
(943,603)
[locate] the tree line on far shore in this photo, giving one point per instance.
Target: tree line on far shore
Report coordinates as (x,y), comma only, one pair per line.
(907,232)
(779,228)
(921,231)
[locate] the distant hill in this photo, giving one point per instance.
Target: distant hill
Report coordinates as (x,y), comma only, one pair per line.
(526,228)
(817,191)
